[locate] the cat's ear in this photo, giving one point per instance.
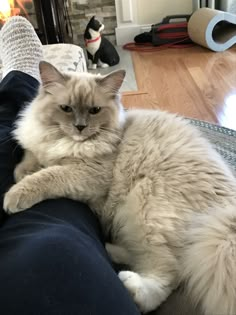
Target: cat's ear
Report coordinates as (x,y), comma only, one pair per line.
(112,82)
(49,74)
(92,18)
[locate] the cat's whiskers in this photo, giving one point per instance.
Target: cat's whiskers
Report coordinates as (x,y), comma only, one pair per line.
(109,133)
(56,130)
(17,145)
(66,127)
(6,139)
(113,130)
(53,132)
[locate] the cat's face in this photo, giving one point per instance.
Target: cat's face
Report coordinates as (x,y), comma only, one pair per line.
(81,106)
(95,25)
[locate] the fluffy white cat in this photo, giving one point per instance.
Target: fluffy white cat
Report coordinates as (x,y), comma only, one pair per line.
(165,196)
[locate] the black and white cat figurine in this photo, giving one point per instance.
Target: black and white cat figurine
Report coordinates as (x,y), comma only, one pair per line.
(100,51)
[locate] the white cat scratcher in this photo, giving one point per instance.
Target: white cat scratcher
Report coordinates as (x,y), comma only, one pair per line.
(213,29)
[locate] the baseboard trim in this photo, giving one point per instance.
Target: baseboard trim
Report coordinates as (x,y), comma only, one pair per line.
(126,34)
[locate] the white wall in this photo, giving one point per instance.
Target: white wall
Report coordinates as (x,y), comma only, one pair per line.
(134,15)
(153,11)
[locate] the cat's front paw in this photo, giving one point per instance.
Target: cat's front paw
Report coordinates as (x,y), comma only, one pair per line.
(92,66)
(20,172)
(134,284)
(148,292)
(19,198)
(104,65)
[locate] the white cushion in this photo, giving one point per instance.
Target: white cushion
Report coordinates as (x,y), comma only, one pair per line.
(65,57)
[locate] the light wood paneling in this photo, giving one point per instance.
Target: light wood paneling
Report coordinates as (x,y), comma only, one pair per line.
(193,82)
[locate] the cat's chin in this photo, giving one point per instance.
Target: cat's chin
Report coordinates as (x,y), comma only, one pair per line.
(79,138)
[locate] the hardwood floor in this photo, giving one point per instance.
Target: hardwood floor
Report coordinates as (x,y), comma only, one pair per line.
(193,82)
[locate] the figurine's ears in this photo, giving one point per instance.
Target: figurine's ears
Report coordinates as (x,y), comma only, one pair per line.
(92,18)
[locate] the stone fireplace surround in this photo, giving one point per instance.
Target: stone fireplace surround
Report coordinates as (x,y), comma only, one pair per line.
(118,16)
(57,20)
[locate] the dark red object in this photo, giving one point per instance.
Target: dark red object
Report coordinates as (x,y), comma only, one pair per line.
(163,35)
(168,32)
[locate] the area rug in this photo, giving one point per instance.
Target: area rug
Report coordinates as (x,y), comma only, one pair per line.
(223,140)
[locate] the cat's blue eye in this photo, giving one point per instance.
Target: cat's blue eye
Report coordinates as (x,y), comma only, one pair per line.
(66,108)
(94,110)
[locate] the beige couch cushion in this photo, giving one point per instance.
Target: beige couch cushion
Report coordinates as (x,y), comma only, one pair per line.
(65,57)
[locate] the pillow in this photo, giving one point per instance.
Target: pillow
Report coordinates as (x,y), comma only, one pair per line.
(65,57)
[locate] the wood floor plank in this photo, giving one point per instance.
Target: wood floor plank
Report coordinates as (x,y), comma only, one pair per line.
(193,82)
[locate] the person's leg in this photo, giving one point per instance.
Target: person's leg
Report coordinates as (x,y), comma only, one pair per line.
(20,52)
(53,262)
(16,89)
(53,259)
(52,256)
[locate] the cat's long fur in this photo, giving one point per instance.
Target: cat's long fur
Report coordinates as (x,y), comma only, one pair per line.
(165,196)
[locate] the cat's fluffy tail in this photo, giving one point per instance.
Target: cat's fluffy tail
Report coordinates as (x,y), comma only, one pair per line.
(209,261)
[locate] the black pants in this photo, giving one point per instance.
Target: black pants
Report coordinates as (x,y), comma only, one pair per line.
(52,256)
